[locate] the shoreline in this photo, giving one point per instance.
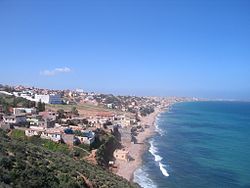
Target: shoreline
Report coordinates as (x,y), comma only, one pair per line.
(136,151)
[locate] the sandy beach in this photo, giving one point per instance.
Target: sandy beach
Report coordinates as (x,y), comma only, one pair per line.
(127,169)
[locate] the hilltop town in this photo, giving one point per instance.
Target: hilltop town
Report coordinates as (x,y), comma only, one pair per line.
(107,128)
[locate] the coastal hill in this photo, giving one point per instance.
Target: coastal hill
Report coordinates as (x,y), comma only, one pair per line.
(24,164)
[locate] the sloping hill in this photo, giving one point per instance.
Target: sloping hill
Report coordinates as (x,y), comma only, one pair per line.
(23,164)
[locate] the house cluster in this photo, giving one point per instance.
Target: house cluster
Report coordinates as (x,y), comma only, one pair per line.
(36,94)
(47,99)
(43,124)
(133,104)
(67,135)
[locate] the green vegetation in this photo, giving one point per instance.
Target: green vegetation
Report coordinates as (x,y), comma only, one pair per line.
(146,111)
(105,144)
(60,113)
(25,164)
(18,134)
(40,106)
(79,107)
(80,151)
(11,101)
(74,110)
(104,154)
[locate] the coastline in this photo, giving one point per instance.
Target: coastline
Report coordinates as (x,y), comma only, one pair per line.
(136,151)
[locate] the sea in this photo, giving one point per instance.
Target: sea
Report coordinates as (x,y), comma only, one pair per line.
(199,145)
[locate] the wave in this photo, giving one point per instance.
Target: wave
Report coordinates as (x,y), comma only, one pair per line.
(157,128)
(153,150)
(163,169)
(142,178)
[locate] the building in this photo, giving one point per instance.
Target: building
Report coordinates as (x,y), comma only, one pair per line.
(79,90)
(48,115)
(15,119)
(123,121)
(17,111)
(110,106)
(49,99)
(34,131)
(121,154)
(87,137)
(46,123)
(29,95)
(34,119)
(52,134)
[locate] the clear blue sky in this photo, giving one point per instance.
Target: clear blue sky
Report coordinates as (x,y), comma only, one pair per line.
(144,47)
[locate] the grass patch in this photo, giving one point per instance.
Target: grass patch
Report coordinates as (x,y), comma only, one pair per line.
(49,145)
(18,134)
(56,147)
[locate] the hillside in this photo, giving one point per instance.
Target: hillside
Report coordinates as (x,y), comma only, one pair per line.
(8,101)
(86,109)
(23,164)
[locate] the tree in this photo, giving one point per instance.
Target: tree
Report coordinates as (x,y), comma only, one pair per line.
(43,106)
(60,113)
(14,102)
(74,111)
(40,106)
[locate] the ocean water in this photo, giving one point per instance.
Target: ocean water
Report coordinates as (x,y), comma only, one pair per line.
(199,144)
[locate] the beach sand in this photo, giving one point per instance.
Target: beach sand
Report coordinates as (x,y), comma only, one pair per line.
(126,169)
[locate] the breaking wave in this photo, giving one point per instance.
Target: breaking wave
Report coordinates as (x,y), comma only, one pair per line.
(157,128)
(153,150)
(142,178)
(163,169)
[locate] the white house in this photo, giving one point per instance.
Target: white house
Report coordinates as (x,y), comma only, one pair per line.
(52,134)
(34,119)
(49,99)
(34,131)
(87,137)
(17,111)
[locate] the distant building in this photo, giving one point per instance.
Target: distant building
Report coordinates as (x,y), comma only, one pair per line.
(49,99)
(17,111)
(48,115)
(110,106)
(34,119)
(79,90)
(15,119)
(46,123)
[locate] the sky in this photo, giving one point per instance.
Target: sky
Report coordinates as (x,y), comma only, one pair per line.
(195,48)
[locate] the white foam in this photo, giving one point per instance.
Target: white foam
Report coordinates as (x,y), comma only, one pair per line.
(157,128)
(158,158)
(142,178)
(153,150)
(163,169)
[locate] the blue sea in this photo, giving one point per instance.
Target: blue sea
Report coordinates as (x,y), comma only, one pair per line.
(199,144)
